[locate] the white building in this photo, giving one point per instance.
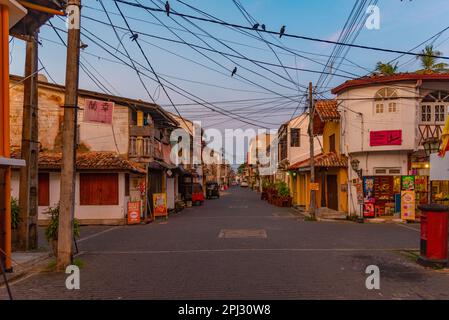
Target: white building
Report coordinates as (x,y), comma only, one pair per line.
(384,121)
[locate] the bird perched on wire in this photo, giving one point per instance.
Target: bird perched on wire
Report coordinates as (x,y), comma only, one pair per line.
(281,33)
(167,8)
(134,37)
(264,28)
(234,72)
(256,26)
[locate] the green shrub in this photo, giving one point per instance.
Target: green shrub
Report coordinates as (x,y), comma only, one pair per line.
(283,189)
(51,233)
(15,214)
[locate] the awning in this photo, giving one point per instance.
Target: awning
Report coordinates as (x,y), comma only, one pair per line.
(7,162)
(326,160)
(161,165)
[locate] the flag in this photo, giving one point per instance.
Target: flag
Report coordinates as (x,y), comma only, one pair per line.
(445,140)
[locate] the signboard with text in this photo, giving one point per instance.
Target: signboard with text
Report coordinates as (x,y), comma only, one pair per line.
(160,205)
(386,138)
(98,111)
(134,212)
(408,205)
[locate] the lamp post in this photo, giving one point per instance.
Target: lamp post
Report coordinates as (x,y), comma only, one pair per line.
(431,146)
(355,164)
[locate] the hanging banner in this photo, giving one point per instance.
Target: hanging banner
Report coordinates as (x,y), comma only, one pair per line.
(160,205)
(408,205)
(98,111)
(359,188)
(134,212)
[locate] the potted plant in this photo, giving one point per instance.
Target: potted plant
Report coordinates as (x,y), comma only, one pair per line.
(51,233)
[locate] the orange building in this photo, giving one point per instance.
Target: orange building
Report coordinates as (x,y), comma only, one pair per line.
(330,165)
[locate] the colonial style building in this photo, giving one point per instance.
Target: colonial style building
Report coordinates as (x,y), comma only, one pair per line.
(123,152)
(385,120)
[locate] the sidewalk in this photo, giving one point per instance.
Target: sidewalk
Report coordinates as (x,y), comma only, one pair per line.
(24,262)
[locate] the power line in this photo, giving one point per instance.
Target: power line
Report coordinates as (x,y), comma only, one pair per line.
(287,35)
(214,50)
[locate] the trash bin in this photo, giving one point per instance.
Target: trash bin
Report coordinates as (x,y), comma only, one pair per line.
(434,235)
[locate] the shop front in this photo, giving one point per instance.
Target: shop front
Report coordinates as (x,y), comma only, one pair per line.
(398,196)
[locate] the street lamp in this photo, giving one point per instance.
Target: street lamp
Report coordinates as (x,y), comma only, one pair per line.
(431,146)
(355,164)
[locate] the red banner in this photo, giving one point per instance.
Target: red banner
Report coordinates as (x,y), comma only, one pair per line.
(98,111)
(386,138)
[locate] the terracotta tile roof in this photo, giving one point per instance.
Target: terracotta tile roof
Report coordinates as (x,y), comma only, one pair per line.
(381,79)
(328,160)
(87,161)
(327,110)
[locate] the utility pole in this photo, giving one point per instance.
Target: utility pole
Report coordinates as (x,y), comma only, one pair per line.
(28,195)
(69,138)
(312,153)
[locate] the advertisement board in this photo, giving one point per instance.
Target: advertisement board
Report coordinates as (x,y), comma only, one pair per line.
(386,138)
(134,209)
(98,111)
(160,205)
(408,205)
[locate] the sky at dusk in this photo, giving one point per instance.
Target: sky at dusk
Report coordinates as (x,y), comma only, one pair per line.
(274,99)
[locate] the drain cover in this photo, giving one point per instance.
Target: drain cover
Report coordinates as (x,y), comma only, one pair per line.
(243,233)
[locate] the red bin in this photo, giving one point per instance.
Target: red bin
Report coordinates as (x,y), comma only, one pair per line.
(434,235)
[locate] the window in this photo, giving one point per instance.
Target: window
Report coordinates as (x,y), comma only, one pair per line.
(98,189)
(426,113)
(383,98)
(295,137)
(332,143)
(434,107)
(379,108)
(392,107)
(44,189)
(387,171)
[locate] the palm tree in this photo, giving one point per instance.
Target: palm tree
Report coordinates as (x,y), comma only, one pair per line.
(386,69)
(429,60)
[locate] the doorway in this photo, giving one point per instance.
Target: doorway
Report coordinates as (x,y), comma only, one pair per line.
(332,192)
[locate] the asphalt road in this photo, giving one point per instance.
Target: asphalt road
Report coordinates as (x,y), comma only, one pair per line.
(239,247)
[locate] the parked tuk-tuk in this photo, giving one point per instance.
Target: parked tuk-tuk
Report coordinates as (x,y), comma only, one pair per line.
(212,190)
(197,194)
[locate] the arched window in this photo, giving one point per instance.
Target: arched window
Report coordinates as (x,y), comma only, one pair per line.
(434,107)
(384,101)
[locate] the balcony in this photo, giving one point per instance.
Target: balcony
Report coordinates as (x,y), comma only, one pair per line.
(141,148)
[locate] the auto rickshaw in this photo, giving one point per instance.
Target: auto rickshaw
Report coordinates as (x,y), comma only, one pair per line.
(212,190)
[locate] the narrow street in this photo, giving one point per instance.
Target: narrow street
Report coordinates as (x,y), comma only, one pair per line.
(239,247)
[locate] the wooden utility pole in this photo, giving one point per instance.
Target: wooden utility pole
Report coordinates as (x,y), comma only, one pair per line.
(69,138)
(28,194)
(312,152)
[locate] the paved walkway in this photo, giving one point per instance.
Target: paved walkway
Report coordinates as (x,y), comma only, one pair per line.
(239,247)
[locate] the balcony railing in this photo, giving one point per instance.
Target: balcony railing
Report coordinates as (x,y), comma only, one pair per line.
(140,147)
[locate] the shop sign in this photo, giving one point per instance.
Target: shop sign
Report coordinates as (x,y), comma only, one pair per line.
(408,205)
(368,189)
(134,209)
(408,183)
(386,138)
(315,186)
(160,205)
(98,111)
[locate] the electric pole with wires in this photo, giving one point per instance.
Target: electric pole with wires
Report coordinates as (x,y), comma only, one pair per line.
(69,136)
(312,154)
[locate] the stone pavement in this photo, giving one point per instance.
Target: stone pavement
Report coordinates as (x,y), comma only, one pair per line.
(239,247)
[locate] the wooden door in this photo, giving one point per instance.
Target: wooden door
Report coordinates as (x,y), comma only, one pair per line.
(332,192)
